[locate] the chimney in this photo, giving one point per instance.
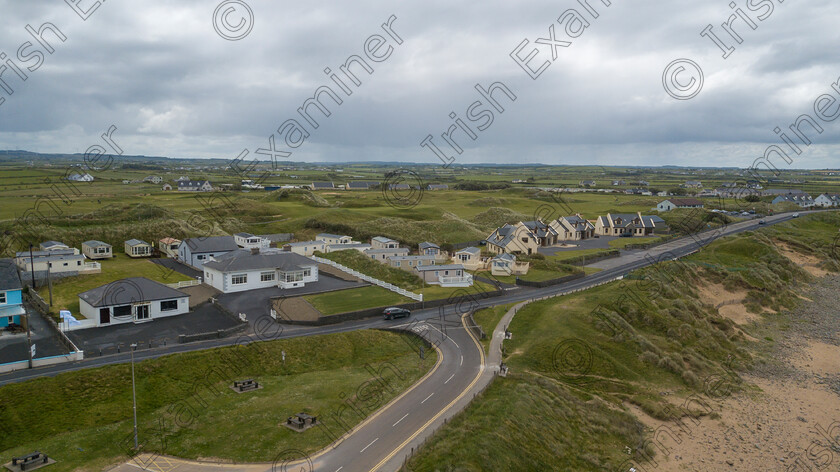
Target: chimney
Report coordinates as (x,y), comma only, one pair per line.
(255,251)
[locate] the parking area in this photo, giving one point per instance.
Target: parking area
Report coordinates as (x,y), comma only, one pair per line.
(592,243)
(14,347)
(176,266)
(157,332)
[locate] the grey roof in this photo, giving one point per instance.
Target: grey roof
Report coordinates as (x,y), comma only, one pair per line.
(413,258)
(386,250)
(438,186)
(362,184)
(211,244)
(539,228)
(136,242)
(95,243)
(427,245)
(383,239)
(52,243)
(331,236)
(505,257)
(305,243)
(244,259)
(130,290)
(53,253)
(508,233)
(192,183)
(244,235)
(471,250)
(349,246)
(440,267)
(322,185)
(9,279)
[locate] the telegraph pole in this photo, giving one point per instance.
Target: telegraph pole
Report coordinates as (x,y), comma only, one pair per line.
(134,396)
(32,266)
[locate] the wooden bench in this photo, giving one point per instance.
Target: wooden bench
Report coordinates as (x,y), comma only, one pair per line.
(30,459)
(244,385)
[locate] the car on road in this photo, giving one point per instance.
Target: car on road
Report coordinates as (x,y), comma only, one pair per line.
(394,312)
(761,222)
(795,215)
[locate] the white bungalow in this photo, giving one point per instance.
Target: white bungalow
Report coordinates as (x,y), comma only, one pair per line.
(250,269)
(132,300)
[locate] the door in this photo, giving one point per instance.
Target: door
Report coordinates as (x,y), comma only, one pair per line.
(142,312)
(104,315)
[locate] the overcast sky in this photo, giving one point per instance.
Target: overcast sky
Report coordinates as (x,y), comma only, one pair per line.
(173,86)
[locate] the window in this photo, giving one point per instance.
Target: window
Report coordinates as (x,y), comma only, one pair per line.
(78,263)
(122,311)
(239,279)
(307,272)
(294,276)
(266,276)
(3,297)
(200,257)
(65,264)
(169,305)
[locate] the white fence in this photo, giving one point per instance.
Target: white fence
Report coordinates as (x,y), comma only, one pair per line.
(187,283)
(414,296)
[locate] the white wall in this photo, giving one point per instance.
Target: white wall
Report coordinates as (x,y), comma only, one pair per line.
(222,280)
(92,313)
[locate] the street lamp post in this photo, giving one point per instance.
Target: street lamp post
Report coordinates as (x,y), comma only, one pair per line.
(134,396)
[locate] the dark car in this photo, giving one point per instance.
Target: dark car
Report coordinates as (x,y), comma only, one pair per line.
(761,222)
(625,235)
(391,313)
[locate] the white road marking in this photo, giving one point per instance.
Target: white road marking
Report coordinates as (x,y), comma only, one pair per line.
(450,378)
(430,396)
(336,470)
(369,445)
(462,359)
(398,421)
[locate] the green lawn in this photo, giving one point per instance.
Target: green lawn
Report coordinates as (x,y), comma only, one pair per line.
(620,243)
(66,290)
(488,318)
(342,301)
(186,408)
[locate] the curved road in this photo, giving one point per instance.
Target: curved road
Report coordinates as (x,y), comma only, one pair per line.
(383,440)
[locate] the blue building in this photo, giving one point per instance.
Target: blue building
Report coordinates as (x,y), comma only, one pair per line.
(11,294)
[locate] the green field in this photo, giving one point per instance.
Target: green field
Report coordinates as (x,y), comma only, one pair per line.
(186,408)
(342,301)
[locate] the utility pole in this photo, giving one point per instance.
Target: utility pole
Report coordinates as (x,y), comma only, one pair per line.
(134,397)
(32,266)
(49,280)
(29,339)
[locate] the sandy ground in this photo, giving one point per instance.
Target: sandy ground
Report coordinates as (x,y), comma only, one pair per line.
(789,420)
(809,263)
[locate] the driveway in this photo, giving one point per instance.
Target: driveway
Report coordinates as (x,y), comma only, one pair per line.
(204,319)
(592,243)
(176,266)
(14,347)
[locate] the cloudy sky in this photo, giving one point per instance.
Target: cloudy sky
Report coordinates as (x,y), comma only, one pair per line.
(162,73)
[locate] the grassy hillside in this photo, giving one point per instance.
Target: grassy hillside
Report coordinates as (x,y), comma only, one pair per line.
(578,363)
(186,408)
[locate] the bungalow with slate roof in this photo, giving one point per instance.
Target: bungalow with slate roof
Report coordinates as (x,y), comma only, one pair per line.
(361,247)
(670,204)
(195,251)
(361,185)
(132,300)
(11,294)
(470,258)
(322,186)
(450,275)
(573,228)
(437,187)
(513,239)
(97,250)
(827,200)
(250,269)
(194,186)
(626,223)
(138,248)
(506,264)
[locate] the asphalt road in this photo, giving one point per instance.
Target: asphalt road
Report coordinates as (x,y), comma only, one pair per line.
(383,440)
